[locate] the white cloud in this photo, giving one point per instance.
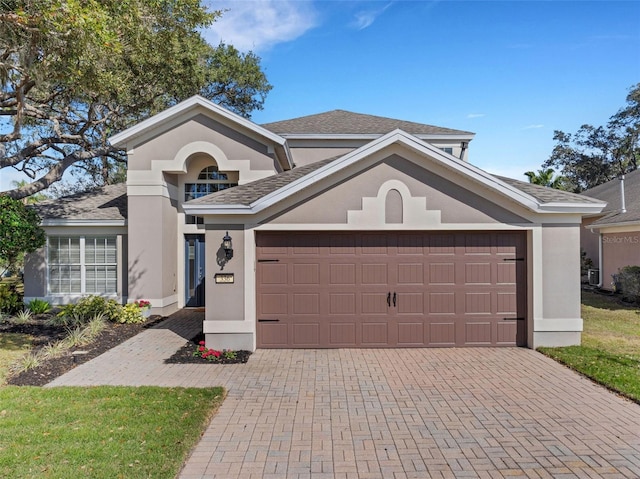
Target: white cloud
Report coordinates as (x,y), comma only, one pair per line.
(533,127)
(365,18)
(260,24)
(475,115)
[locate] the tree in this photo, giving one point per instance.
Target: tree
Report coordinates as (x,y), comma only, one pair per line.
(595,155)
(20,231)
(546,178)
(29,200)
(74,73)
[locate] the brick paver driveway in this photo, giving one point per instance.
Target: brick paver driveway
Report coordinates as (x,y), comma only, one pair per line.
(391,413)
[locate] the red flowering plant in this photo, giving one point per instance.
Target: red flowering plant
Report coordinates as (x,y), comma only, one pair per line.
(143,304)
(213,354)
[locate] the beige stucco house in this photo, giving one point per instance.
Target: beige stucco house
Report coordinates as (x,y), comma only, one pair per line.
(611,238)
(345,230)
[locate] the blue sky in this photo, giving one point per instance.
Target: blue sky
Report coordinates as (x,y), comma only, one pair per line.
(511,72)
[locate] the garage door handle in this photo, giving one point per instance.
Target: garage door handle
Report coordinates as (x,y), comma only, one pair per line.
(513,259)
(268,260)
(268,320)
(513,319)
(394,300)
(389,299)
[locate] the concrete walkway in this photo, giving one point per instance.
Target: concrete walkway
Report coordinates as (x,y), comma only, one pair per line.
(413,413)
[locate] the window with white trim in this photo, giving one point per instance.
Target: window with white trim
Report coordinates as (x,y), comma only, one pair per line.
(82,264)
(209,181)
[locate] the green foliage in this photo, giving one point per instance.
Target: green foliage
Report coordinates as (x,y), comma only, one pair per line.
(585,263)
(89,307)
(102,432)
(629,279)
(131,314)
(74,73)
(20,230)
(546,178)
(595,155)
(10,298)
(39,306)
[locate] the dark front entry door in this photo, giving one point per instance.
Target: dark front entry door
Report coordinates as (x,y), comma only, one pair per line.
(194,266)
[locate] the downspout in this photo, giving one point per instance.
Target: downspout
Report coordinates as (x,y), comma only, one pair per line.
(599,258)
(623,206)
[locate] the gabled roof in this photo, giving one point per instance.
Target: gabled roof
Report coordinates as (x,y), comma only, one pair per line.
(340,123)
(105,204)
(191,106)
(259,195)
(610,192)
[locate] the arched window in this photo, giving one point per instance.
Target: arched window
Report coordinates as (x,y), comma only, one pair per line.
(209,181)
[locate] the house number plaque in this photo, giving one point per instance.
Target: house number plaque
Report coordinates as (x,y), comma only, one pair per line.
(223,278)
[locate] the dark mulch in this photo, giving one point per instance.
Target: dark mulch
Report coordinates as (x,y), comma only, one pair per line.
(184,355)
(113,335)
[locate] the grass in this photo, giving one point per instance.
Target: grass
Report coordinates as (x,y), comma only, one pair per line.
(610,350)
(101,432)
(12,347)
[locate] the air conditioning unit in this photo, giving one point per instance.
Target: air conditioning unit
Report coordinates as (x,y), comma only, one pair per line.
(594,277)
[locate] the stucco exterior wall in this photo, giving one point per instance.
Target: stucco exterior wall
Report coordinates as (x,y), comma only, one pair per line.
(227,324)
(304,156)
(618,250)
(456,204)
(235,145)
(152,252)
(558,321)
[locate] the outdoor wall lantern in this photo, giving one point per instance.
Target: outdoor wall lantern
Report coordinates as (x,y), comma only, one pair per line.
(227,246)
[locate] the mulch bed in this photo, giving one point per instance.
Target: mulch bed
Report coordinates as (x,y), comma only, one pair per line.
(113,335)
(184,355)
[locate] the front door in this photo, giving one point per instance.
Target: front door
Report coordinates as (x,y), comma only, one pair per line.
(194,266)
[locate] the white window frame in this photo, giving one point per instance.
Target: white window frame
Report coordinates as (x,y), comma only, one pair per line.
(83,264)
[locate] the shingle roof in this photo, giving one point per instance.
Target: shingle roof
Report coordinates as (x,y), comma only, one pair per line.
(106,203)
(610,192)
(547,195)
(251,192)
(340,122)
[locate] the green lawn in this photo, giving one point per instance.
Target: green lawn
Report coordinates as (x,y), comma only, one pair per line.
(12,347)
(101,432)
(610,350)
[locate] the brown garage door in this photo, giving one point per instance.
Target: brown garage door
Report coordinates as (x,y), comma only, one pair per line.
(333,290)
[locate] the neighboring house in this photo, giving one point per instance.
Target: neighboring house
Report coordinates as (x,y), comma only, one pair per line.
(346,230)
(611,238)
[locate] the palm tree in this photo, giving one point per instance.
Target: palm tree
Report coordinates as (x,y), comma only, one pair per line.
(546,178)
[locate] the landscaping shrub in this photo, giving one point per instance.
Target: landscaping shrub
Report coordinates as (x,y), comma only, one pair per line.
(130,314)
(39,306)
(629,279)
(88,307)
(10,298)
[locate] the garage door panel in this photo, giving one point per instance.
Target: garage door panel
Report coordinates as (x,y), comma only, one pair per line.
(478,333)
(306,273)
(377,273)
(442,333)
(342,303)
(306,334)
(273,303)
(342,274)
(337,289)
(342,334)
(375,334)
(477,303)
(374,303)
(274,273)
(442,303)
(442,273)
(306,303)
(273,334)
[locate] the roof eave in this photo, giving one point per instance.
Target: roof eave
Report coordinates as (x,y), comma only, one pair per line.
(82,222)
(374,136)
(582,208)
